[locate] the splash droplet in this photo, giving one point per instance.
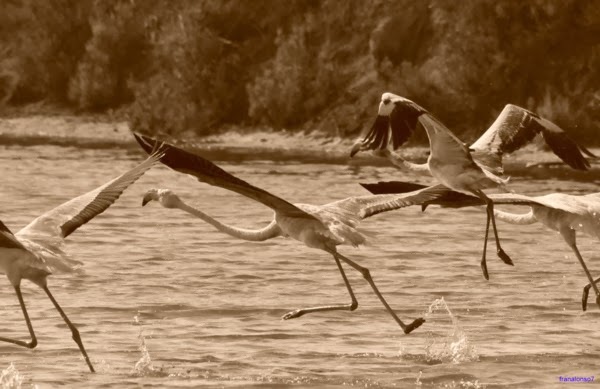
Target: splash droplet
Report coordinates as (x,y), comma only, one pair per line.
(143,367)
(418,382)
(455,346)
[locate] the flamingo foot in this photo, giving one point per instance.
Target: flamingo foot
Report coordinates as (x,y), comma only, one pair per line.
(414,325)
(504,257)
(485,271)
(584,298)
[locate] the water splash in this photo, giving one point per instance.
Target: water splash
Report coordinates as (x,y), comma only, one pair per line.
(462,384)
(418,382)
(455,346)
(10,378)
(144,366)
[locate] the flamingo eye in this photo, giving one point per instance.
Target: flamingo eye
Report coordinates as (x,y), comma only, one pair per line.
(386,101)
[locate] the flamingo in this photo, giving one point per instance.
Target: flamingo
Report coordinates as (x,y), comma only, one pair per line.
(512,129)
(450,160)
(558,211)
(36,250)
(322,227)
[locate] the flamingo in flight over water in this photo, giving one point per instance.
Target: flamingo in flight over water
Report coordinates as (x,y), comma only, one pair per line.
(322,227)
(450,160)
(36,250)
(558,211)
(512,129)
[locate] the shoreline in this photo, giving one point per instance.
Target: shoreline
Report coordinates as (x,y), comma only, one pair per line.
(253,145)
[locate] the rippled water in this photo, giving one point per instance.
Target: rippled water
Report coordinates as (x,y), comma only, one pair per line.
(165,301)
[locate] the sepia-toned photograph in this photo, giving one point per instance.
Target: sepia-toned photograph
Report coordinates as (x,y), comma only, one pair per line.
(299,194)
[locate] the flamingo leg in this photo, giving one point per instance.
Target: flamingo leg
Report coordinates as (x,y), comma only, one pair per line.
(485,241)
(72,327)
(341,307)
(367,275)
(33,342)
(490,211)
(592,283)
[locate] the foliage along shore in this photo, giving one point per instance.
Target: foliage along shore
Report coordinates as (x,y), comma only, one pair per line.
(207,65)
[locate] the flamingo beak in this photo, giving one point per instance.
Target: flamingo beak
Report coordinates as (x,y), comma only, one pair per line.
(356,147)
(147,198)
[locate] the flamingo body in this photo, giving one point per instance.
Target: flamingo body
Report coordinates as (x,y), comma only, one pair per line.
(36,251)
(560,212)
(322,227)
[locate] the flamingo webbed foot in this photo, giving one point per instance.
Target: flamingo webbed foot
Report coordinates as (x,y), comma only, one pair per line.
(414,325)
(504,257)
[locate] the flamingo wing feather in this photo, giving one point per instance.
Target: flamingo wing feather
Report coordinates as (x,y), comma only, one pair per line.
(207,172)
(63,220)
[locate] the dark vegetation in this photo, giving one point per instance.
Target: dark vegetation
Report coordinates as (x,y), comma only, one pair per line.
(204,65)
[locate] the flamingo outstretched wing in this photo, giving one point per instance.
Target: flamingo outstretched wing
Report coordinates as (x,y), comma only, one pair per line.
(512,129)
(44,236)
(579,205)
(206,171)
(362,207)
(63,220)
(396,121)
(516,126)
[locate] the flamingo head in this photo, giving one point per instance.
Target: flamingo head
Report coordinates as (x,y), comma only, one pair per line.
(165,197)
(386,106)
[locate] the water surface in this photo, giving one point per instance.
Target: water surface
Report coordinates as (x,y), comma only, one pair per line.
(164,300)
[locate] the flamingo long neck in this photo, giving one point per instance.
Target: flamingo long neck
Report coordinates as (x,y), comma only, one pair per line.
(397,160)
(270,231)
(516,218)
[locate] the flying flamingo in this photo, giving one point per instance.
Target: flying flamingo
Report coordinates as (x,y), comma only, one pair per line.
(36,250)
(512,129)
(322,227)
(450,160)
(558,211)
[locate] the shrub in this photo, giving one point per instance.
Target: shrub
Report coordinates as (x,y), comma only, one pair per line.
(193,81)
(45,40)
(299,82)
(117,51)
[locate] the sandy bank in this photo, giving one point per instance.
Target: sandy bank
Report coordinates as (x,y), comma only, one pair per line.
(88,132)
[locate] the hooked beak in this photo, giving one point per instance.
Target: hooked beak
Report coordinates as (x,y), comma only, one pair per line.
(356,147)
(146,199)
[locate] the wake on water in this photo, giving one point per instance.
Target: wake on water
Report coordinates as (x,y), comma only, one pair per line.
(451,347)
